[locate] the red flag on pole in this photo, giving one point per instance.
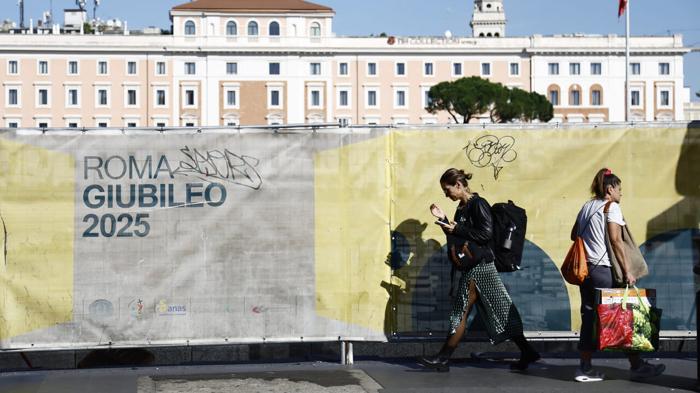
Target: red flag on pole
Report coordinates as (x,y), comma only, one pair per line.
(621,9)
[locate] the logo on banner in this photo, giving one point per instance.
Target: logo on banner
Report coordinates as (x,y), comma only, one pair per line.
(101,309)
(136,308)
(164,308)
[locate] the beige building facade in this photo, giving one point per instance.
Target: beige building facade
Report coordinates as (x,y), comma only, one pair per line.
(246,62)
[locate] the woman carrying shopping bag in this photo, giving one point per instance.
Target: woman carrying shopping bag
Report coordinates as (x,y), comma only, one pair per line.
(591,225)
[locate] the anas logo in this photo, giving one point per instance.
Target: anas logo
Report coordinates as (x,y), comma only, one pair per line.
(163,308)
(136,308)
(101,309)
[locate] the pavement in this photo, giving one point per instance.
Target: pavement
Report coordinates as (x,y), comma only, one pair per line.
(478,373)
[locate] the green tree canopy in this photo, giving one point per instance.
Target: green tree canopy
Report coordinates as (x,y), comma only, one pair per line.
(468,97)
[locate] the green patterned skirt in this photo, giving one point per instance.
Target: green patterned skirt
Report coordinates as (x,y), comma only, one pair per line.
(496,309)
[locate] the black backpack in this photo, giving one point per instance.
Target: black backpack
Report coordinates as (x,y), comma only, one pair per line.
(509,226)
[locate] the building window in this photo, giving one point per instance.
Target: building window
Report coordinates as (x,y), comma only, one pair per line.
(371,68)
(131,124)
(575,69)
(664,98)
(43,67)
(634,98)
(131,97)
(274,98)
(231,68)
(596,97)
(274,29)
(554,97)
(231,98)
(190,28)
(635,68)
(43,124)
(575,98)
(315,29)
(252,28)
(372,98)
(596,69)
(102,97)
(42,97)
(72,97)
(428,69)
(231,28)
(343,98)
(457,69)
(400,99)
(131,68)
(102,68)
(72,125)
(103,124)
(160,68)
(274,68)
(342,68)
(485,69)
(13,124)
(427,101)
(189,97)
(514,69)
(13,67)
(315,68)
(553,68)
(400,68)
(160,97)
(664,69)
(12,97)
(73,67)
(190,68)
(315,98)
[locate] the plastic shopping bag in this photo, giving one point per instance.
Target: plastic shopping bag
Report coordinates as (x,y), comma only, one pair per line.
(647,320)
(615,326)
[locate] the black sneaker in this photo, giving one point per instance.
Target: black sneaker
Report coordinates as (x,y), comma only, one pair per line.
(647,370)
(588,376)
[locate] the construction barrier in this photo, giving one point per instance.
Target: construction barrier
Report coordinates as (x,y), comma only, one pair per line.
(136,238)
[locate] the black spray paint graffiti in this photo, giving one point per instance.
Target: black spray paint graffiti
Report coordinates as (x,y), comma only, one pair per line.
(489,150)
(220,165)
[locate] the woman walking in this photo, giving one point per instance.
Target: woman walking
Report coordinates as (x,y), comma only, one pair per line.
(591,225)
(480,284)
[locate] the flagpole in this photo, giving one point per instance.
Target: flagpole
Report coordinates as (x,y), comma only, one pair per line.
(627,62)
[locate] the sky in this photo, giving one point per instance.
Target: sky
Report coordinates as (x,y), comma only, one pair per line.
(420,17)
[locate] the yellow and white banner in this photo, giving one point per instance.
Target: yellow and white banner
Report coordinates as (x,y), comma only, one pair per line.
(239,236)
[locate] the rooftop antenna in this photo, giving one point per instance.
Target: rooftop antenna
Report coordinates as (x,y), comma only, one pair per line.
(21,13)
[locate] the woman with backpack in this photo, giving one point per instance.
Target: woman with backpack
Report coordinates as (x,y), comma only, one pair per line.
(468,237)
(591,224)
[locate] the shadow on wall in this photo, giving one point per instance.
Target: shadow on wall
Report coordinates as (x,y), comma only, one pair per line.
(418,291)
(674,242)
(419,304)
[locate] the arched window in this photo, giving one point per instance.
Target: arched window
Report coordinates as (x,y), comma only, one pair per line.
(231,28)
(190,29)
(315,29)
(252,28)
(575,95)
(481,35)
(596,95)
(553,94)
(496,34)
(489,35)
(274,29)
